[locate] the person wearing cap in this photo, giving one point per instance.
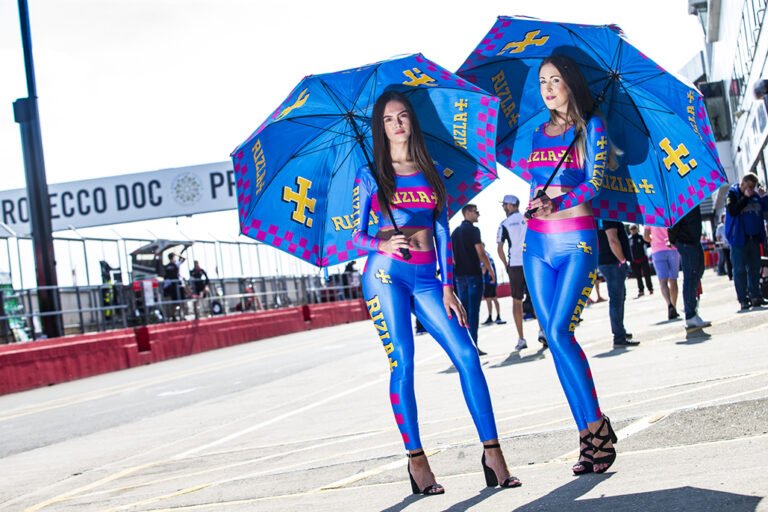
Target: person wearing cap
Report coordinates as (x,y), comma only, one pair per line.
(512,232)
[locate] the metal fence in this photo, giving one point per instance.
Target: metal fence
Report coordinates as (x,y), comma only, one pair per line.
(84,309)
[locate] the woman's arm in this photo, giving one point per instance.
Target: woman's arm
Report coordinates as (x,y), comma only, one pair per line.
(444,248)
(361,207)
(595,164)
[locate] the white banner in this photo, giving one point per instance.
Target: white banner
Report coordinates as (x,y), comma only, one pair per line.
(127,198)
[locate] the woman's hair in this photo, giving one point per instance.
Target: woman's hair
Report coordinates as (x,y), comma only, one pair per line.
(581,105)
(417,152)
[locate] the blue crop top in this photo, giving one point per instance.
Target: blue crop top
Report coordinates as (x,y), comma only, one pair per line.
(412,207)
(584,180)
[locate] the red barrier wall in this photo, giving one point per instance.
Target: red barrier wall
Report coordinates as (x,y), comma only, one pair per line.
(336,313)
(35,364)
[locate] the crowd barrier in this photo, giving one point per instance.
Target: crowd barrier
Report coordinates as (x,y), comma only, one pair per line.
(31,365)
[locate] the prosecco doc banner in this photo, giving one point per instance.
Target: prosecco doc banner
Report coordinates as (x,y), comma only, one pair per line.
(127,198)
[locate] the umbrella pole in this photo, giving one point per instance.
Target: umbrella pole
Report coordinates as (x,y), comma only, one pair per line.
(405,253)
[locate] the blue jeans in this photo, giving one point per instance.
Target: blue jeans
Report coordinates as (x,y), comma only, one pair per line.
(746,270)
(615,279)
(470,292)
(692,261)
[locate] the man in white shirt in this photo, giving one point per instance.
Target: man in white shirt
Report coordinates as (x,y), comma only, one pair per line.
(512,231)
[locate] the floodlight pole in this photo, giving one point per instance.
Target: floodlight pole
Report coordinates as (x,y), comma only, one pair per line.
(26,113)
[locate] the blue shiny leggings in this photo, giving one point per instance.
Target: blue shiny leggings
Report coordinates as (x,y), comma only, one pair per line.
(391,288)
(560,270)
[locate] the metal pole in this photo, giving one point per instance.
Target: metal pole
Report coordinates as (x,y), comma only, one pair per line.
(27,115)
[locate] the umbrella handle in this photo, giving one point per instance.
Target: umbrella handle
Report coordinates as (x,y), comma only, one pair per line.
(405,253)
(529,213)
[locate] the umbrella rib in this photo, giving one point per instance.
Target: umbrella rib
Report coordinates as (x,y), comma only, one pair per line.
(329,129)
(584,41)
(277,171)
(327,194)
(371,95)
(463,154)
(333,95)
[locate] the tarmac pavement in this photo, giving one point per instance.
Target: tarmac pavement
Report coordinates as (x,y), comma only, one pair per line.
(303,423)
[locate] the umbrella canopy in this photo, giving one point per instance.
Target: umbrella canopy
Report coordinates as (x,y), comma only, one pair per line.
(295,173)
(657,121)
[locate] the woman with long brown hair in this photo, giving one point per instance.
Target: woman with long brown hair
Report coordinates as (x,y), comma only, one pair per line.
(560,258)
(406,183)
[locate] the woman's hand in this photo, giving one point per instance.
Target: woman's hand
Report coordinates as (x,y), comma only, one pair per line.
(544,205)
(451,303)
(394,244)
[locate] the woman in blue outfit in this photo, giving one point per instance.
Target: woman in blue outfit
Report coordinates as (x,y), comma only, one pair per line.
(560,257)
(405,179)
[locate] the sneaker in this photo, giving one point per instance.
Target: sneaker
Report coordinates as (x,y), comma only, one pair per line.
(695,322)
(488,321)
(640,294)
(745,306)
(625,342)
(543,339)
(499,321)
(521,344)
(650,292)
(756,303)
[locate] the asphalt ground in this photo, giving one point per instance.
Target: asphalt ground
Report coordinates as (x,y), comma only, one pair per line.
(303,422)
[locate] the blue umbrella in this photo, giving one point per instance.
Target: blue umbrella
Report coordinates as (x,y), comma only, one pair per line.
(295,173)
(668,160)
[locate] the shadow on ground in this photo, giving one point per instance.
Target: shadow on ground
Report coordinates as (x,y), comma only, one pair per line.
(567,497)
(680,499)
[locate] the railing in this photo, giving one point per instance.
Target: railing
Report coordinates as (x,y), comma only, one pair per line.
(100,308)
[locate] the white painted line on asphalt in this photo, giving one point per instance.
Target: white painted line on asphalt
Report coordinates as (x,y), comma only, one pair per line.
(372,472)
(132,386)
(295,412)
(177,392)
(74,492)
(324,459)
(630,430)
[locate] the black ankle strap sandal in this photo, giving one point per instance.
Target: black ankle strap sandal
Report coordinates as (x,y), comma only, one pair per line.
(430,490)
(491,480)
(601,447)
(586,456)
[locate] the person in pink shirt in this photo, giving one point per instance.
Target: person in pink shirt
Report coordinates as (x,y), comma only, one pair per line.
(666,261)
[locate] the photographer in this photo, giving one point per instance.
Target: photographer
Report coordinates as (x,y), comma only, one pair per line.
(745,232)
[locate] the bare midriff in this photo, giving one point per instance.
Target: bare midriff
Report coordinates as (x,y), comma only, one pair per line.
(581,210)
(421,239)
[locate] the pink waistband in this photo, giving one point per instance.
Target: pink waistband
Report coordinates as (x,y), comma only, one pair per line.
(562,225)
(417,257)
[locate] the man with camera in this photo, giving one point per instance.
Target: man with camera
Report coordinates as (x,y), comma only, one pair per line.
(745,206)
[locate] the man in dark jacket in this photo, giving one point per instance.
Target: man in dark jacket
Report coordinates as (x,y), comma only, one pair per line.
(745,230)
(685,236)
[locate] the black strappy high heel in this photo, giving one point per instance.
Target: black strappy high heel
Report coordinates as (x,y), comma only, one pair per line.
(586,459)
(430,490)
(603,439)
(491,480)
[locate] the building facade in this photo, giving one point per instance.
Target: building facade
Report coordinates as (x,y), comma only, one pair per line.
(733,61)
